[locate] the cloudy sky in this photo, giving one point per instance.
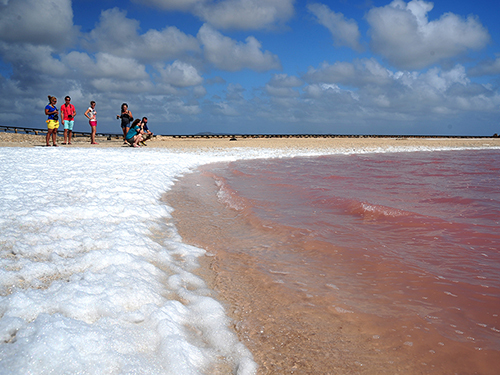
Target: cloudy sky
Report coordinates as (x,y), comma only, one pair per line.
(256,66)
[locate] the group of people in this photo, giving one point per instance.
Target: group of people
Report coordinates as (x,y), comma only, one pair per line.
(133,134)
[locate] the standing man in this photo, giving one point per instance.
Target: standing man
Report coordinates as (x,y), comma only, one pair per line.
(68,117)
(147,133)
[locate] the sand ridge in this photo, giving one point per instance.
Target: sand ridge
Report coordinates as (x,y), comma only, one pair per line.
(214,144)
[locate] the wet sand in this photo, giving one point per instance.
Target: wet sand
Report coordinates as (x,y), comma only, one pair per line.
(292,332)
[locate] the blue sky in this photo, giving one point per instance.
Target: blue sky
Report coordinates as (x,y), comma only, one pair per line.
(256,66)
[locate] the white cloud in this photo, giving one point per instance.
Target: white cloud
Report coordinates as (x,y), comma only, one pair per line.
(283,92)
(106,65)
(344,31)
(199,91)
(360,73)
(284,80)
(369,74)
(282,85)
(29,60)
(313,91)
(224,109)
(123,68)
(232,14)
(180,74)
(235,92)
(166,44)
(118,35)
(402,34)
(230,55)
(130,87)
(246,14)
(39,22)
(374,89)
(181,5)
(486,68)
(180,108)
(442,80)
(115,33)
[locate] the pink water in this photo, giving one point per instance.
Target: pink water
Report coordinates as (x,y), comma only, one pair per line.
(413,237)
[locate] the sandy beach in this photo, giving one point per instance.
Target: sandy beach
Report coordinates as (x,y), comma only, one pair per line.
(365,143)
(280,330)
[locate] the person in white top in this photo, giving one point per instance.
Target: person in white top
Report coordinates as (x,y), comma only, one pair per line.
(91,114)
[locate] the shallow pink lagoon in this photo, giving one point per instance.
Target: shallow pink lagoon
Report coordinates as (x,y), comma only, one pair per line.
(412,238)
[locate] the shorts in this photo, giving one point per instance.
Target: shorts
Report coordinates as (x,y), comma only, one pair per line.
(68,125)
(93,123)
(52,124)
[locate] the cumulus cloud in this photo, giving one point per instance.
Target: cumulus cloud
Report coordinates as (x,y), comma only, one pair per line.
(402,33)
(232,14)
(409,94)
(32,60)
(118,35)
(486,68)
(25,21)
(223,109)
(181,5)
(440,80)
(371,75)
(180,74)
(109,85)
(228,54)
(344,31)
(359,73)
(105,65)
(282,85)
(199,91)
(286,81)
(282,92)
(246,14)
(178,107)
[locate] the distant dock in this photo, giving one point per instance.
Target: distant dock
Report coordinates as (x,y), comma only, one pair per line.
(235,136)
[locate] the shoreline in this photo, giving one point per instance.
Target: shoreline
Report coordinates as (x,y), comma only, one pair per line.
(289,332)
(228,275)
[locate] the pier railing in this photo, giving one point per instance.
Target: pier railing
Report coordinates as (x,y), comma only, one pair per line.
(20,129)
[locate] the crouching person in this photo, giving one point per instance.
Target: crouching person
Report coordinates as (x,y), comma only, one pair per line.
(134,135)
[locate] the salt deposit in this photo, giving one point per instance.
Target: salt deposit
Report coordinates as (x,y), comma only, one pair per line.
(94,277)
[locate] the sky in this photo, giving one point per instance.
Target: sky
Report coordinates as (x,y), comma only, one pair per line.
(256,66)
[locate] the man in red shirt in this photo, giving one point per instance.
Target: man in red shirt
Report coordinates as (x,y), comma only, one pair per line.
(68,117)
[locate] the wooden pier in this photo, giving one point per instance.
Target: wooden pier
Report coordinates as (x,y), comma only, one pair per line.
(235,136)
